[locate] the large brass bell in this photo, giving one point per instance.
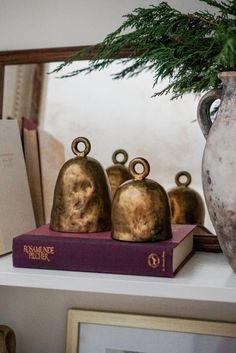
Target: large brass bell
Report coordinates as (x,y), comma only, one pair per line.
(82,201)
(140,208)
(118,173)
(187,206)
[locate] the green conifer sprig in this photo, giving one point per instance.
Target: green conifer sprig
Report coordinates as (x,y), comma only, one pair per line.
(189,49)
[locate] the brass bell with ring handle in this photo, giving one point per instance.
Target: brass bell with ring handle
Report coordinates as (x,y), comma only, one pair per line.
(82,200)
(118,173)
(140,208)
(187,206)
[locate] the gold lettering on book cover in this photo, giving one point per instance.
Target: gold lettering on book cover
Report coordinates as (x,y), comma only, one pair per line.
(38,252)
(154,260)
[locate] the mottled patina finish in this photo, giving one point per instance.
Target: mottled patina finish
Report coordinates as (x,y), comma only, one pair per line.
(140,208)
(219,163)
(118,173)
(82,201)
(187,206)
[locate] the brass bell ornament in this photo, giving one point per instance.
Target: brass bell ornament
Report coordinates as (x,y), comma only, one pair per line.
(82,201)
(187,206)
(118,173)
(140,208)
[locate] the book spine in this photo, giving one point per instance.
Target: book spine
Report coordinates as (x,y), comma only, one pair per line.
(84,256)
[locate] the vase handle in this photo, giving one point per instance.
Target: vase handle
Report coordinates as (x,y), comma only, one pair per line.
(7,339)
(203,110)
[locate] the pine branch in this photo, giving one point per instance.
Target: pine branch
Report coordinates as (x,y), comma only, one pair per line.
(189,49)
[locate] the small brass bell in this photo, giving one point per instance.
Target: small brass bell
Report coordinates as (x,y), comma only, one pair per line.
(187,206)
(140,208)
(82,201)
(118,173)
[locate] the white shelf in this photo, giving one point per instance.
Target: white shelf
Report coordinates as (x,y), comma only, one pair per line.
(206,277)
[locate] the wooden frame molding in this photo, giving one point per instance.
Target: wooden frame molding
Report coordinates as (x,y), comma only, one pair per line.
(2,73)
(77,317)
(45,55)
(35,56)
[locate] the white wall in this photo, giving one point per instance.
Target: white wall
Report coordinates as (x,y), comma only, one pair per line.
(28,24)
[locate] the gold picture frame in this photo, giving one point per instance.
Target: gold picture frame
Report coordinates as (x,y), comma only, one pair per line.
(80,321)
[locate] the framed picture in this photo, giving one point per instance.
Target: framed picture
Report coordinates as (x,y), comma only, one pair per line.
(106,332)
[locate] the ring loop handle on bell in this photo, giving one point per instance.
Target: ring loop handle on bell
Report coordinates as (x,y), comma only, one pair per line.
(145,165)
(125,157)
(76,151)
(179,175)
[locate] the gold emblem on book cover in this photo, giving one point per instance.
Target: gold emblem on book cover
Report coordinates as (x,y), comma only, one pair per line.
(140,208)
(187,206)
(118,173)
(82,200)
(154,260)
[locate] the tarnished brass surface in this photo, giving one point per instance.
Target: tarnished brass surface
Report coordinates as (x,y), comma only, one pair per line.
(82,200)
(187,206)
(118,173)
(140,208)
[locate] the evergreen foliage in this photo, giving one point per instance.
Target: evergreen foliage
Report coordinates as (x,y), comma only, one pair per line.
(189,49)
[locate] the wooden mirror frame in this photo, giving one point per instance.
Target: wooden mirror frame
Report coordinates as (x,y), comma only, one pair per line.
(46,55)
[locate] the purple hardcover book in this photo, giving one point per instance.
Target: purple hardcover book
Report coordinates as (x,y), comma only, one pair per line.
(98,252)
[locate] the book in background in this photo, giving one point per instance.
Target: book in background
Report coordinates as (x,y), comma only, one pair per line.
(16,210)
(44,156)
(99,252)
(204,240)
(33,167)
(52,157)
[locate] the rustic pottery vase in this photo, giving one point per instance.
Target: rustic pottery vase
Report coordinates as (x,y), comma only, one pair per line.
(219,162)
